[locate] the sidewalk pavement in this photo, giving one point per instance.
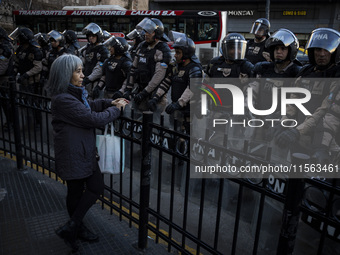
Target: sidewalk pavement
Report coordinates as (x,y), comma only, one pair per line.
(32,206)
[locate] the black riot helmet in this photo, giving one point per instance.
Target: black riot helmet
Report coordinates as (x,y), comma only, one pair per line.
(57,36)
(120,45)
(24,35)
(94,29)
(153,25)
(323,38)
(138,35)
(181,41)
(286,38)
(71,38)
(106,35)
(260,24)
(234,46)
(42,39)
(3,34)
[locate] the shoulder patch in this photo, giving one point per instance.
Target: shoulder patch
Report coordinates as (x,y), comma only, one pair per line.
(164,65)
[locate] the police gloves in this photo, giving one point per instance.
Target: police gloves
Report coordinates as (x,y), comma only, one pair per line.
(86,81)
(288,137)
(127,94)
(22,78)
(152,104)
(117,94)
(141,96)
(174,106)
(321,155)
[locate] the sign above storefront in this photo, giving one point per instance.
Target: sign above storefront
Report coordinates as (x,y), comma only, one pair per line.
(241,13)
(294,13)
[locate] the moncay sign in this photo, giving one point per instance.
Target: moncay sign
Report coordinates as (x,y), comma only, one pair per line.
(243,100)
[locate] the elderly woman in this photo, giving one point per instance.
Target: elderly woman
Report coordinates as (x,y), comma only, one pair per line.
(74,120)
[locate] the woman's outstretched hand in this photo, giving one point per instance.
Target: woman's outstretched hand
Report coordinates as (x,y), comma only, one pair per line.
(120,103)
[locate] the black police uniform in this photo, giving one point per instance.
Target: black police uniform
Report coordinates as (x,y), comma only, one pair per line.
(29,61)
(219,68)
(53,54)
(180,80)
(146,63)
(115,72)
(6,71)
(254,51)
(71,49)
(93,54)
(264,92)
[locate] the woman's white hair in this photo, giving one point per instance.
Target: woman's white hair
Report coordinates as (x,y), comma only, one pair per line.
(61,73)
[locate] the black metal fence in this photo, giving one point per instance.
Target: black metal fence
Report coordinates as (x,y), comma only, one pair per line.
(155,192)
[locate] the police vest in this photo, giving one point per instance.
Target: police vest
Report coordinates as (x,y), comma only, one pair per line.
(93,54)
(319,88)
(53,55)
(146,62)
(180,79)
(219,68)
(6,59)
(26,58)
(254,52)
(267,71)
(114,74)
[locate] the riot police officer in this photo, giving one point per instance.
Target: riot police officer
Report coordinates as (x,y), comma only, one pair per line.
(6,71)
(149,65)
(28,61)
(57,42)
(6,55)
(282,46)
(256,51)
(178,77)
(322,49)
(137,37)
(71,42)
(115,68)
(232,63)
(326,149)
(44,43)
(94,55)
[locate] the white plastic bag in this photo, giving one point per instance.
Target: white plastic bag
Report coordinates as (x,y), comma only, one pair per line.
(108,146)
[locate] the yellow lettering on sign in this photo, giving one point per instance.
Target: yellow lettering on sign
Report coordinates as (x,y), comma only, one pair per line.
(294,13)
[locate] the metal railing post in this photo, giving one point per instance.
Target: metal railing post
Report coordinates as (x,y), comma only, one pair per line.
(291,210)
(16,126)
(144,196)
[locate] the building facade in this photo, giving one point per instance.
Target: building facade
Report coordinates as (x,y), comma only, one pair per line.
(301,16)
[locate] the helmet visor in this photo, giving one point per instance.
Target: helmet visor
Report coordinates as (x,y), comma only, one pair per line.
(38,36)
(15,34)
(177,39)
(280,37)
(325,39)
(132,35)
(92,28)
(147,25)
(176,36)
(106,34)
(258,28)
(234,50)
(110,42)
(55,35)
